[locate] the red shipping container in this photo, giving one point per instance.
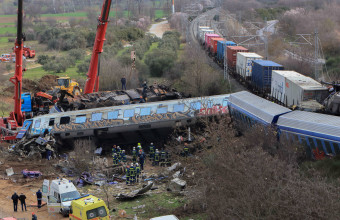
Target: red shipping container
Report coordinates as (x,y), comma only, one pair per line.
(207,39)
(213,44)
(232,54)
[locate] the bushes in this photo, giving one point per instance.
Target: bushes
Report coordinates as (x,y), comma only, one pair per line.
(159,61)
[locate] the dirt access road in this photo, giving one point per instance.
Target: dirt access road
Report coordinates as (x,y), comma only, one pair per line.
(158,29)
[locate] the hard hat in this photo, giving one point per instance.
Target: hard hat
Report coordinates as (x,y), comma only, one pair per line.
(137,164)
(32,213)
(138,144)
(118,147)
(123,151)
(134,148)
(151,143)
(132,164)
(115,154)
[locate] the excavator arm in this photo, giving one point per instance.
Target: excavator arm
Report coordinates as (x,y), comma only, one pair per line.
(92,82)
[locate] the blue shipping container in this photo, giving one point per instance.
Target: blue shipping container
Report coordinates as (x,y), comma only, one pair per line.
(262,74)
(221,45)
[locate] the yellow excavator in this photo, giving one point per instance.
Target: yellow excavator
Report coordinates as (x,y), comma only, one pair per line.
(68,85)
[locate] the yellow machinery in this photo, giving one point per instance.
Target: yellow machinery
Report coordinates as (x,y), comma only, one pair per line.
(65,83)
(89,208)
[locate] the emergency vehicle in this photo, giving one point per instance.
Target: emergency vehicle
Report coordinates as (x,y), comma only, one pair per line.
(89,208)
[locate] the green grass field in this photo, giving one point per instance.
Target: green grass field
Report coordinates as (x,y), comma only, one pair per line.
(11,30)
(159,14)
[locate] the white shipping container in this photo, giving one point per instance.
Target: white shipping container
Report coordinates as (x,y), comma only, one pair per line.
(205,31)
(292,88)
(200,29)
(244,63)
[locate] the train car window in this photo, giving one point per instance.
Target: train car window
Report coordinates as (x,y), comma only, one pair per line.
(129,113)
(112,115)
(96,116)
(80,119)
(179,108)
(64,120)
(51,122)
(145,111)
(195,105)
(329,147)
(37,123)
(162,110)
(225,102)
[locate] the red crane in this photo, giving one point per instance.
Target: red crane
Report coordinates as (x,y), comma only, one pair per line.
(10,124)
(92,82)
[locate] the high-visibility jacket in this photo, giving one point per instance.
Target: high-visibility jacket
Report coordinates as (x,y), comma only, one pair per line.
(123,157)
(156,156)
(132,172)
(152,149)
(127,172)
(134,153)
(186,149)
(163,155)
(115,160)
(138,170)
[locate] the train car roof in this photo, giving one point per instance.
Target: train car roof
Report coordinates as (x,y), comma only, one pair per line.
(267,63)
(260,108)
(131,106)
(310,123)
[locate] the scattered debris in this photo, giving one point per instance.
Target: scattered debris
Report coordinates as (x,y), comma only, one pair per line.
(174,167)
(177,174)
(135,193)
(31,174)
(122,213)
(177,185)
(10,172)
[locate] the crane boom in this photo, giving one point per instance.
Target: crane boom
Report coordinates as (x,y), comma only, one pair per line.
(17,78)
(92,81)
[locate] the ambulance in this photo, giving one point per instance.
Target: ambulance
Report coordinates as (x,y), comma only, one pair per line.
(58,195)
(89,208)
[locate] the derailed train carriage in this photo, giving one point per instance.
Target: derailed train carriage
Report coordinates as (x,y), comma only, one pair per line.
(319,132)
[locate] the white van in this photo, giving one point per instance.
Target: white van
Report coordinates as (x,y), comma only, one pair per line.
(58,195)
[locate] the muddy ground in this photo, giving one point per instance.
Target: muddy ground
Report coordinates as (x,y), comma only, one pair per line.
(158,29)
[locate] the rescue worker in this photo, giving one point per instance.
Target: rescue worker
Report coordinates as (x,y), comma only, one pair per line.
(119,151)
(163,157)
(34,217)
(115,159)
(141,159)
(138,171)
(156,160)
(132,174)
(139,147)
(145,87)
(127,174)
(186,150)
(134,155)
(141,100)
(123,156)
(168,158)
(123,81)
(114,149)
(15,199)
(39,196)
(151,151)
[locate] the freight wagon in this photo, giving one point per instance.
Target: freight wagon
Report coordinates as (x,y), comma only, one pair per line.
(244,64)
(207,39)
(203,33)
(293,89)
(221,47)
(232,56)
(213,45)
(261,78)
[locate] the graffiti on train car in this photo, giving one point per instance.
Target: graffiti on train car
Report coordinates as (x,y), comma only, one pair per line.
(88,124)
(159,117)
(214,110)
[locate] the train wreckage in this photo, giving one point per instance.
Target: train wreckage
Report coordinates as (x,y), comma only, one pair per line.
(108,122)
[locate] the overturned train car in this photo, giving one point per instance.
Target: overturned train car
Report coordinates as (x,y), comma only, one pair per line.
(105,121)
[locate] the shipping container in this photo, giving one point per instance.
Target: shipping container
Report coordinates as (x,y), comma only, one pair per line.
(207,39)
(244,64)
(213,44)
(262,74)
(203,32)
(221,45)
(200,29)
(292,88)
(232,55)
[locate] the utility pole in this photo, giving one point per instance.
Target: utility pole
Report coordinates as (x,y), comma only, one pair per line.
(316,62)
(266,39)
(116,12)
(173,6)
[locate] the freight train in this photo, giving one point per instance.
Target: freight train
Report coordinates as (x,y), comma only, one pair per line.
(264,77)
